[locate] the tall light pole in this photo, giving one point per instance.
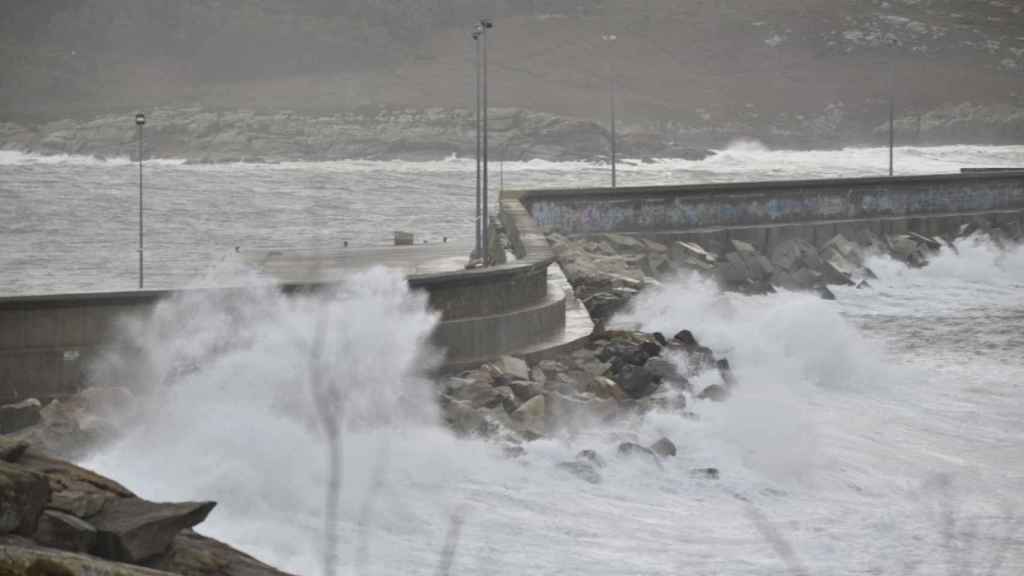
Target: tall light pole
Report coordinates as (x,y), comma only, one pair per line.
(485,25)
(476,129)
(610,39)
(893,43)
(140,121)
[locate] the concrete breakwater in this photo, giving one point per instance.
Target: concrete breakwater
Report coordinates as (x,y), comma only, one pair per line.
(528,308)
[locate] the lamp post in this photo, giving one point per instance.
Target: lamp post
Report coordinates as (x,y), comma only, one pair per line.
(484,26)
(893,44)
(140,121)
(610,38)
(476,128)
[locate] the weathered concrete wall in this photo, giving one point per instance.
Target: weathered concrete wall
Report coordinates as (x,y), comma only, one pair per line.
(48,342)
(683,208)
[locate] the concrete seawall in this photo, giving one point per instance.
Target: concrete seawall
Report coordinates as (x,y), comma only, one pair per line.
(766,212)
(47,343)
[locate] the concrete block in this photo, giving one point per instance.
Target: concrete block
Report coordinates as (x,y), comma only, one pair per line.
(756,236)
(43,328)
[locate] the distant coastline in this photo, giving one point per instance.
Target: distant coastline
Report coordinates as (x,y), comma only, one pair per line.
(197,135)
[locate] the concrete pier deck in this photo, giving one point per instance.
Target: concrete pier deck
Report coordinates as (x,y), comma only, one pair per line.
(317,266)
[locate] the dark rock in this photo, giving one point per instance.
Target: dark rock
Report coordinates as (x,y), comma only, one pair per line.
(668,372)
(133,530)
(636,381)
(660,339)
(714,393)
(725,371)
(632,449)
(651,349)
(582,470)
(592,457)
(23,495)
(685,337)
(525,389)
(64,531)
(863,284)
(710,473)
(15,417)
(11,450)
(825,293)
(664,448)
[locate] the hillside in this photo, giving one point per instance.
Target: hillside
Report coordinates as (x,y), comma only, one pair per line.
(792,72)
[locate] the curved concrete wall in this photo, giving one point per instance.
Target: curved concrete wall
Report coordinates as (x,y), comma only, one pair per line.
(47,342)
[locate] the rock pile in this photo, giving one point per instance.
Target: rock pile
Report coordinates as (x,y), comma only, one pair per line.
(615,374)
(606,270)
(57,518)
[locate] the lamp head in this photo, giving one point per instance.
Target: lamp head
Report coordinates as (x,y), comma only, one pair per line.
(140,119)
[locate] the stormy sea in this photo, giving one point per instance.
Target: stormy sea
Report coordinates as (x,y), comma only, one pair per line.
(880,433)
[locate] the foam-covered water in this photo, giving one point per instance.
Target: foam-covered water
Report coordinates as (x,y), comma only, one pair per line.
(70,223)
(879,434)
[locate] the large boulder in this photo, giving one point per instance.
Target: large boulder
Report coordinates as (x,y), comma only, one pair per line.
(134,530)
(532,415)
(23,496)
(583,470)
(637,381)
(664,448)
(514,368)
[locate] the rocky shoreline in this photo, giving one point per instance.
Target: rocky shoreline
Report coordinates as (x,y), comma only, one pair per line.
(608,270)
(59,519)
(204,136)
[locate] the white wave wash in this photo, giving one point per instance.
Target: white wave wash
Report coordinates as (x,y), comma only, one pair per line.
(857,444)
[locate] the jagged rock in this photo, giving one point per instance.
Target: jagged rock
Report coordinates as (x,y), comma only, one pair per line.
(637,381)
(134,530)
(513,367)
(513,451)
(825,293)
(192,554)
(15,417)
(664,448)
(689,252)
(848,250)
(533,414)
(34,561)
(23,496)
(733,270)
(508,398)
(582,470)
(525,389)
(66,532)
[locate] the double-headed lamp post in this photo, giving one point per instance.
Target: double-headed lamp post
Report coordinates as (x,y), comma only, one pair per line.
(610,39)
(140,121)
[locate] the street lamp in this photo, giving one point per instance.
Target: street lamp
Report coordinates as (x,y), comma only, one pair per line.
(893,44)
(484,25)
(610,38)
(140,121)
(476,128)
